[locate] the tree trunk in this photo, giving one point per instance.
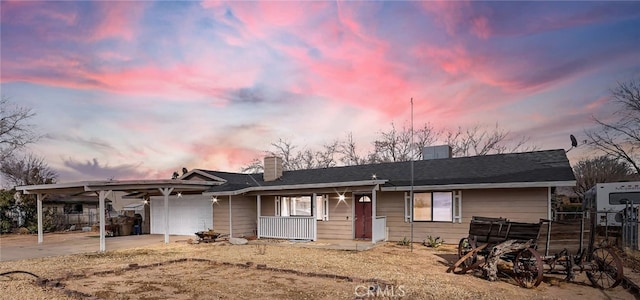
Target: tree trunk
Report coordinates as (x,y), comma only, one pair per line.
(510,246)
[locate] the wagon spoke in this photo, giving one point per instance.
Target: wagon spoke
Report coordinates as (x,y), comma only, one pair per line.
(606,269)
(528,268)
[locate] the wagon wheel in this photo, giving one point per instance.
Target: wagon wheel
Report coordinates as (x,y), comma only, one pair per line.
(528,267)
(458,267)
(465,246)
(606,269)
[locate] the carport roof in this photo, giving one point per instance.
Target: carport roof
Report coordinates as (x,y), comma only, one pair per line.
(150,187)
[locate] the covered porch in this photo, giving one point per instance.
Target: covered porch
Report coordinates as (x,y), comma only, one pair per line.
(348,213)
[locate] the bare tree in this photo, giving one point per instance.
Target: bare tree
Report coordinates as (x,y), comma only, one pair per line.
(326,158)
(255,166)
(28,170)
(15,131)
(286,150)
(600,169)
(621,138)
(347,149)
(479,140)
(423,137)
(393,145)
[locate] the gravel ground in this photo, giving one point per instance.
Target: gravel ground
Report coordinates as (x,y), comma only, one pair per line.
(413,275)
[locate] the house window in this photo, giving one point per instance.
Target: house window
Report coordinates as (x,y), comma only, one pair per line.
(301,206)
(435,206)
(322,205)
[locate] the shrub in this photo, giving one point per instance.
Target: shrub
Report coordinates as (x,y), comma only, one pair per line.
(433,242)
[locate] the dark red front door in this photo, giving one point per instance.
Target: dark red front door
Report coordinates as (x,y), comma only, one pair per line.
(363,216)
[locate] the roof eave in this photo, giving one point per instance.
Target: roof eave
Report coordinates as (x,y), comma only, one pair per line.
(296,186)
(471,186)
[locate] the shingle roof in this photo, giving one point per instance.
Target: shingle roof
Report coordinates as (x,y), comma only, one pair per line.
(537,166)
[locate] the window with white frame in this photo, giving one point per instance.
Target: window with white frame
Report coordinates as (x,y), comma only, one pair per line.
(322,205)
(301,206)
(430,206)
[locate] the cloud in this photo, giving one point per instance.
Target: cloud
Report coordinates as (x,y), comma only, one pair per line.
(94,170)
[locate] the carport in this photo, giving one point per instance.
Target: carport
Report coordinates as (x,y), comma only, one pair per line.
(143,188)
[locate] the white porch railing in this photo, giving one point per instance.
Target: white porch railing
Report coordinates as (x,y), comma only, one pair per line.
(293,228)
(379,229)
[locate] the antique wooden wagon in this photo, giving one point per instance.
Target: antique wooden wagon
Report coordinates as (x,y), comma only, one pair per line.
(560,247)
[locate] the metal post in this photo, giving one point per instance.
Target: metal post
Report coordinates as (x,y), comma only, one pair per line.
(39,198)
(412,159)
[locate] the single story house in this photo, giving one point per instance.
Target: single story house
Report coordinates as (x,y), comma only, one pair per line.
(370,202)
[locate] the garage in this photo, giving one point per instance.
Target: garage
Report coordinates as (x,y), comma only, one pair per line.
(188,214)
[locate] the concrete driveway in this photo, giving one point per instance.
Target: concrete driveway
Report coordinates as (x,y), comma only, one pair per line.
(18,247)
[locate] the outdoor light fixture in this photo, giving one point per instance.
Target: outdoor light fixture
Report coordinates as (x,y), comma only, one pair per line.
(214,199)
(179,195)
(341,198)
(146,201)
(374,177)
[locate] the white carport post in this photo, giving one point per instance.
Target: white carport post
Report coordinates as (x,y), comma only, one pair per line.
(166,192)
(39,198)
(102,195)
(230,219)
(314,215)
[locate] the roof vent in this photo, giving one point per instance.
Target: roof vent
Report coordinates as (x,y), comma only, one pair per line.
(272,168)
(436,152)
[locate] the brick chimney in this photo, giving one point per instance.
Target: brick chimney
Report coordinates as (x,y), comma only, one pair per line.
(272,168)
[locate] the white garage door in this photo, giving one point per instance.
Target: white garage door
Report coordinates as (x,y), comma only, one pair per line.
(187,214)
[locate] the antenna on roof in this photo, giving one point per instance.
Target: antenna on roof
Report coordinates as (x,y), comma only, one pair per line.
(411,192)
(574,143)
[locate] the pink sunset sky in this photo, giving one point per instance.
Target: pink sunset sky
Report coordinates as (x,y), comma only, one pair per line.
(140,89)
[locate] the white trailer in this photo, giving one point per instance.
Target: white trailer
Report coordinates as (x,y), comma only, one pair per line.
(613,201)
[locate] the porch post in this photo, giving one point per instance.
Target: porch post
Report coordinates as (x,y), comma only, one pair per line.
(314,213)
(39,210)
(373,212)
(230,219)
(549,212)
(259,202)
(102,195)
(166,192)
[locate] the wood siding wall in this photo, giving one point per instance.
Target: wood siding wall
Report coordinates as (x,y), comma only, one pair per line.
(522,205)
(244,213)
(340,223)
(221,215)
(243,210)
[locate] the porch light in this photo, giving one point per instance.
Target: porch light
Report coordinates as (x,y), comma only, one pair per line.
(374,177)
(146,201)
(214,200)
(341,198)
(179,195)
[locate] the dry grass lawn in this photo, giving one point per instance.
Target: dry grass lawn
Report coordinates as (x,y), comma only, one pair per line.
(414,275)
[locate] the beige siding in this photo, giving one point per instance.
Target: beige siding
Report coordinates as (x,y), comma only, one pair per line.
(268,206)
(523,205)
(340,223)
(221,215)
(244,215)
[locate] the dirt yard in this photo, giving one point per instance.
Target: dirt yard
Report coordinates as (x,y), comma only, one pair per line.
(274,271)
